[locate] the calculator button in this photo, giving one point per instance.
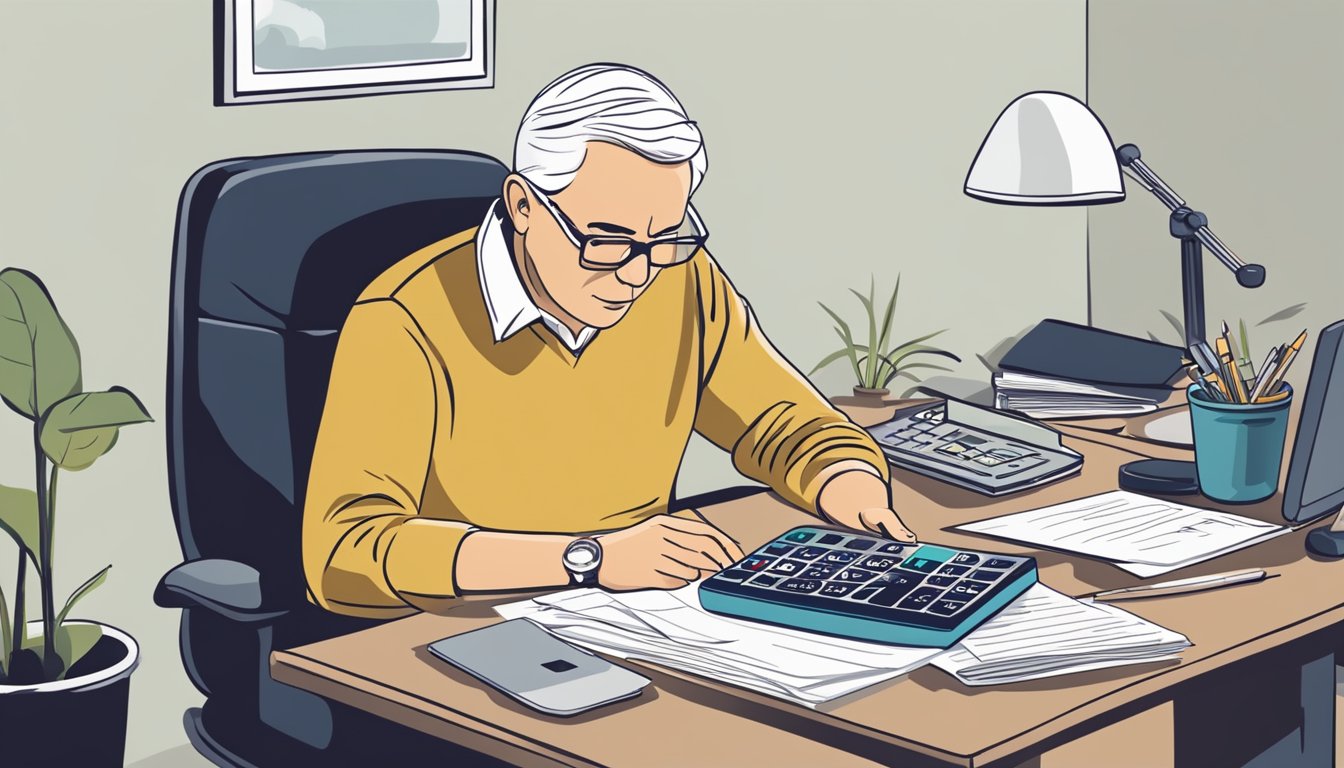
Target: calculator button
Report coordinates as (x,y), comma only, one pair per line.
(831,539)
(855,575)
(860,544)
(984,575)
(892,594)
(939,555)
(800,585)
(879,563)
(734,574)
(945,607)
(863,593)
(756,562)
(920,598)
(763,580)
(998,563)
(787,567)
(778,549)
(890,549)
(954,570)
(941,581)
(819,571)
(837,590)
(800,537)
(967,589)
(965,558)
(839,558)
(809,553)
(920,564)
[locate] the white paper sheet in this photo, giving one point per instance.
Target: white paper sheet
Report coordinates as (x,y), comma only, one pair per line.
(1143,535)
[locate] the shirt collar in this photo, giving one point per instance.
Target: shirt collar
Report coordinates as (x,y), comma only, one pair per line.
(510,307)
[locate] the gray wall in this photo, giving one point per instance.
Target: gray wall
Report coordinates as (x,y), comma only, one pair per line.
(839,134)
(1237,105)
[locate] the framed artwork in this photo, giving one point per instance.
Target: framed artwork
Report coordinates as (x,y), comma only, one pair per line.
(294,50)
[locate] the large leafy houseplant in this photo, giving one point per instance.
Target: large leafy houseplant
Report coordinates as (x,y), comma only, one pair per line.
(41,380)
(878,361)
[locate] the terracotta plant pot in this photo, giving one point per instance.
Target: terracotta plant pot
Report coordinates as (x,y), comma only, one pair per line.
(80,720)
(875,398)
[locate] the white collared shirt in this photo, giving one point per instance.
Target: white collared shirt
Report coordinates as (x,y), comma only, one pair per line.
(507,302)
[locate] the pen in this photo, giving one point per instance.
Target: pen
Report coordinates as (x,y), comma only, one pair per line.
(1182,586)
(1266,373)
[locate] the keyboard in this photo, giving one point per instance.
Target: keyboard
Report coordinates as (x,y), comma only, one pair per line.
(868,588)
(930,443)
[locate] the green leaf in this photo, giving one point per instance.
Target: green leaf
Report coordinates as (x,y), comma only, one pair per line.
(83,589)
(73,641)
(842,330)
(1176,324)
(831,358)
(79,429)
(5,630)
(1283,314)
(888,315)
(39,357)
(19,517)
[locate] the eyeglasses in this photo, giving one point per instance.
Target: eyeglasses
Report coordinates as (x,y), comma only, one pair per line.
(610,252)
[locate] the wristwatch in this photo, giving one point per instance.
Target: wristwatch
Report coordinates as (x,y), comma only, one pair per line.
(581,560)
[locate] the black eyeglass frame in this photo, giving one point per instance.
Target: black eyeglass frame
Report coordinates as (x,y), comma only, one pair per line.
(582,240)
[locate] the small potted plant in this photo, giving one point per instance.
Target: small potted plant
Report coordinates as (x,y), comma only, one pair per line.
(64,682)
(877,362)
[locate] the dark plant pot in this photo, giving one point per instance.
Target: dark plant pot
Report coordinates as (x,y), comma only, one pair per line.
(80,720)
(875,398)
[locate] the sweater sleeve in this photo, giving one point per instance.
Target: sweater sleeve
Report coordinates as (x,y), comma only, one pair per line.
(756,405)
(367,550)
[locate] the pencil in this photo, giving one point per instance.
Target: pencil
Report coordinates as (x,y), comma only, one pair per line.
(1286,360)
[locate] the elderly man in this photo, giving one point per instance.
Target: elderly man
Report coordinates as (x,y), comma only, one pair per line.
(509,407)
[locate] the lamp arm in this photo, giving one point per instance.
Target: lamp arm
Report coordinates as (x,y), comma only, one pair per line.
(1249,275)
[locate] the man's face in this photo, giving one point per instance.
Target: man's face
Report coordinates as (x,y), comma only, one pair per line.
(615,192)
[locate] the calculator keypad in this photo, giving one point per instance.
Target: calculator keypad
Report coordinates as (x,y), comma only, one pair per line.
(851,569)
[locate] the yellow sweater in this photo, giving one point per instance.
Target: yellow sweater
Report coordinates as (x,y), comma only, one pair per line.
(432,428)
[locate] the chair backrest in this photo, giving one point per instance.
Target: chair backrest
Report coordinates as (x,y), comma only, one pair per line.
(269,256)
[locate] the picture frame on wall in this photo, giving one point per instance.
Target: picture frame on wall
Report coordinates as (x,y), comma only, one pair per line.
(299,50)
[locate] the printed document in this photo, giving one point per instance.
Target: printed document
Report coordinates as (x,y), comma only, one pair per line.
(1142,535)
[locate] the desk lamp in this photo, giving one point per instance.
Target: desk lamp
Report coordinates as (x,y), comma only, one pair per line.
(1048,148)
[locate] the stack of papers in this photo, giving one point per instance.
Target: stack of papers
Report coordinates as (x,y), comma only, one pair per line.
(1044,397)
(1046,633)
(671,629)
(1142,535)
(1042,633)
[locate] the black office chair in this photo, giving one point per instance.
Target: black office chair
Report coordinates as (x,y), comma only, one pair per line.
(269,256)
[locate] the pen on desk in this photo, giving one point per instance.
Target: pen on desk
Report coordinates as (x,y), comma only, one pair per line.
(1182,586)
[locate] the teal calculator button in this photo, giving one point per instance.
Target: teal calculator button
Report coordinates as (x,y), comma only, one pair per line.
(801,537)
(938,555)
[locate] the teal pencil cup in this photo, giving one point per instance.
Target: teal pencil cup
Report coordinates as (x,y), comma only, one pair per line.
(1238,446)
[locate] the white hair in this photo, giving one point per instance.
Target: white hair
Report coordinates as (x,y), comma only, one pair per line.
(612,103)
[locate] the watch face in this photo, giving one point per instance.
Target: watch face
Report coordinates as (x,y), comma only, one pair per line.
(582,556)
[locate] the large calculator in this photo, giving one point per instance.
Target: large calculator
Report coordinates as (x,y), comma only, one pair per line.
(868,588)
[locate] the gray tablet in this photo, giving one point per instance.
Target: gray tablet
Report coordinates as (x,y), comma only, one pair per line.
(524,661)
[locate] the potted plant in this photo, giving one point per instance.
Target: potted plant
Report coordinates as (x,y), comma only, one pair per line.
(877,362)
(64,682)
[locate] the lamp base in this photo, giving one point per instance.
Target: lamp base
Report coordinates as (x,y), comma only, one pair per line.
(1160,476)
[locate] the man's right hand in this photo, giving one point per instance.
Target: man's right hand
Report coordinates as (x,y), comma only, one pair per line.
(664,552)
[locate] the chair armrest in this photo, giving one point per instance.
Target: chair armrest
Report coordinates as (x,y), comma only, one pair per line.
(226,587)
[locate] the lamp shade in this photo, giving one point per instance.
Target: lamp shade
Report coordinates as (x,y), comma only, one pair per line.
(1046,148)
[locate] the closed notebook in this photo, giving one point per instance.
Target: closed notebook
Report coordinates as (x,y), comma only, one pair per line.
(1111,361)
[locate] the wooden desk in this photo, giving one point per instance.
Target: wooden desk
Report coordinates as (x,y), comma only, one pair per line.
(1259,652)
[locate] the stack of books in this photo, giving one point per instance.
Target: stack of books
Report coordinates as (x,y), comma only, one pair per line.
(1062,370)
